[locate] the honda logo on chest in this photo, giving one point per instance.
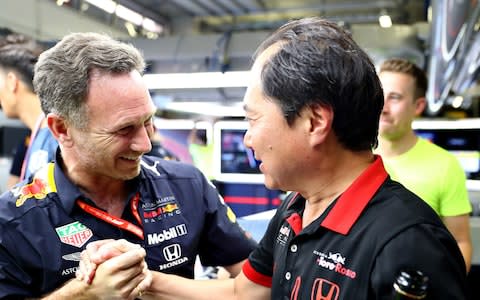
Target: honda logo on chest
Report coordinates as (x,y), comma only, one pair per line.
(172,252)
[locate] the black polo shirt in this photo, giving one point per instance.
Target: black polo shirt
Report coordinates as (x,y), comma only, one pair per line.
(175,214)
(357,246)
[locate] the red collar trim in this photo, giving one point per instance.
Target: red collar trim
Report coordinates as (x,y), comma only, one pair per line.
(353,201)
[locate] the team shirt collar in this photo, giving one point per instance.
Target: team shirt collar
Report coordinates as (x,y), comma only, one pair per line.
(70,193)
(348,207)
(66,190)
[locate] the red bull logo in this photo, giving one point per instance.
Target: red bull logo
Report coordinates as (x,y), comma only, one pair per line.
(152,214)
(162,211)
(169,208)
(37,189)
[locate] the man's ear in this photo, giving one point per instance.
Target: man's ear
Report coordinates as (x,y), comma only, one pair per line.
(12,82)
(420,104)
(60,129)
(321,119)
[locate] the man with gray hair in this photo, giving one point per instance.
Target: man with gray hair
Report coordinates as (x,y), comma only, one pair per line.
(102,187)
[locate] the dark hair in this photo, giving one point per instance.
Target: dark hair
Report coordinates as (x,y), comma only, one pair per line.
(319,63)
(19,55)
(407,67)
(63,73)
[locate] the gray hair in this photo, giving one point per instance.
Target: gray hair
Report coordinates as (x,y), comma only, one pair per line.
(63,73)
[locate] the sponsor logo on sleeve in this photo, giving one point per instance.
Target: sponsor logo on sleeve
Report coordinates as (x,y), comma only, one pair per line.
(37,189)
(231,215)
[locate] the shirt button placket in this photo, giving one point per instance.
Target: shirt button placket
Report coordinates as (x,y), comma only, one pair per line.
(293,249)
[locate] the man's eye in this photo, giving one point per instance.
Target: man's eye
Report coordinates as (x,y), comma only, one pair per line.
(125,130)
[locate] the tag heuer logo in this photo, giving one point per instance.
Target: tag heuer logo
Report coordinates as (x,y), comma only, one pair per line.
(75,234)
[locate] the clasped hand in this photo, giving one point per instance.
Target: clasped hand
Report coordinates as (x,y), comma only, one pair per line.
(114,269)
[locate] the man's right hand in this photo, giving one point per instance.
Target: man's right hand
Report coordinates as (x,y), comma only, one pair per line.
(114,268)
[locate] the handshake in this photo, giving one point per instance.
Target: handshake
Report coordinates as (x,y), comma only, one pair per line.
(114,269)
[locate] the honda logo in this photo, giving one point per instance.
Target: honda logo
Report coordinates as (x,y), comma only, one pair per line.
(325,290)
(172,252)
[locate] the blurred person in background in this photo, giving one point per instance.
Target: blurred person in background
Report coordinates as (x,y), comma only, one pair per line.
(428,170)
(157,147)
(17,162)
(9,37)
(201,150)
(18,56)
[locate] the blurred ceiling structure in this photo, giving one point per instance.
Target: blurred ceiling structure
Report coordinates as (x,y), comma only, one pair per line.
(189,36)
(221,35)
(217,16)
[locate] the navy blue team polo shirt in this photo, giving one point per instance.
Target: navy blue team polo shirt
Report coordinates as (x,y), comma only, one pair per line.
(47,222)
(357,246)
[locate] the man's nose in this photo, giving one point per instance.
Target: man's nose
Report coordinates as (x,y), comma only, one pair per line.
(141,141)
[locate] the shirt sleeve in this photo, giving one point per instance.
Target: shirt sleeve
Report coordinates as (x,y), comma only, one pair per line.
(224,242)
(15,282)
(412,248)
(454,195)
(260,264)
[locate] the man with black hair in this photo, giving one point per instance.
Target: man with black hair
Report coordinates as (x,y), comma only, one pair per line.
(18,56)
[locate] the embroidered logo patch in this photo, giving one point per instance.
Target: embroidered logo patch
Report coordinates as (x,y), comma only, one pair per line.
(335,262)
(37,189)
(74,234)
(163,208)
